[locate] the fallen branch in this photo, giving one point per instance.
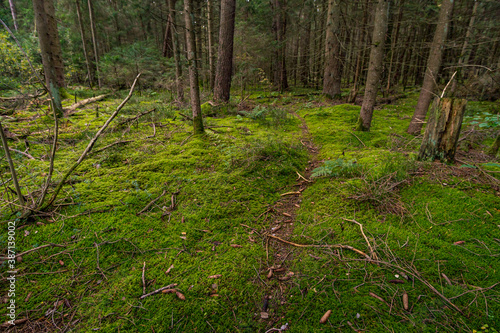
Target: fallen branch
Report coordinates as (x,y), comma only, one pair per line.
(151,203)
(300,176)
(90,145)
(22,153)
(158,290)
(290,193)
(357,138)
(143,279)
(84,102)
(132,119)
(372,253)
(38,248)
(347,247)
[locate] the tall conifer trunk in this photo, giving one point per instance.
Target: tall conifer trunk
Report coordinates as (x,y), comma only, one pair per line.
(50,48)
(223,73)
(375,66)
(332,75)
(432,68)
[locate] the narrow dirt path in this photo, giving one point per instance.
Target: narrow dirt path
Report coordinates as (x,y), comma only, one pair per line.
(282,218)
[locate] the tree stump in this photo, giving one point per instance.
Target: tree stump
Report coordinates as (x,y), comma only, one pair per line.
(442,131)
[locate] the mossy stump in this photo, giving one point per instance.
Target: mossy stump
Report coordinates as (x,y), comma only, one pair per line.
(443,129)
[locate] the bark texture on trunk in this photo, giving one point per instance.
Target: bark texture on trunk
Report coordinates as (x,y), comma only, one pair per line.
(175,47)
(84,44)
(94,43)
(50,48)
(375,66)
(223,73)
(442,131)
(13,13)
(210,33)
(193,70)
(432,68)
(332,74)
(305,44)
(279,29)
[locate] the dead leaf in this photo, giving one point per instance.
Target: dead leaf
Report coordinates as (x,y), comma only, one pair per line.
(180,296)
(61,262)
(236,245)
(459,243)
(325,317)
(215,276)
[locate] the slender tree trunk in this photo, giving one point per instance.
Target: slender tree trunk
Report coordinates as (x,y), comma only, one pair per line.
(464,55)
(332,74)
(167,49)
(375,67)
(210,33)
(432,70)
(94,42)
(305,45)
(176,50)
(50,48)
(224,70)
(13,12)
(394,43)
(84,44)
(193,69)
(279,29)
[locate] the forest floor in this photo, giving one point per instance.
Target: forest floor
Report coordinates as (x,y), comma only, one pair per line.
(278,214)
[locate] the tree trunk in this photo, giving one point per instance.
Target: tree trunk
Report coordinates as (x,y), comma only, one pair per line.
(210,33)
(394,39)
(375,67)
(176,51)
(443,129)
(193,70)
(332,75)
(464,55)
(84,44)
(94,43)
(432,70)
(222,85)
(279,29)
(167,49)
(304,46)
(50,48)
(13,12)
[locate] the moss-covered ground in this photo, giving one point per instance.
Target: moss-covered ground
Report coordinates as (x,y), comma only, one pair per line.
(433,228)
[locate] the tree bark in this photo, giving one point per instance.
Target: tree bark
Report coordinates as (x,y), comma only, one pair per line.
(432,70)
(222,85)
(210,33)
(375,66)
(50,48)
(176,50)
(167,50)
(13,13)
(332,74)
(84,44)
(464,55)
(94,43)
(443,129)
(193,70)
(279,30)
(305,45)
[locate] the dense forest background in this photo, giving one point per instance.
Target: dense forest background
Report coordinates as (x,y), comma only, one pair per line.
(279,43)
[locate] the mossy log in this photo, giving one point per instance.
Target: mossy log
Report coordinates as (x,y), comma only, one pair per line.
(443,129)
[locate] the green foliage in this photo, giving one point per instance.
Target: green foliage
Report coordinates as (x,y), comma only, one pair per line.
(120,66)
(337,168)
(269,115)
(14,67)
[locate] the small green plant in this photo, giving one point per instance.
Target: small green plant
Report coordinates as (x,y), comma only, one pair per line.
(485,328)
(337,168)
